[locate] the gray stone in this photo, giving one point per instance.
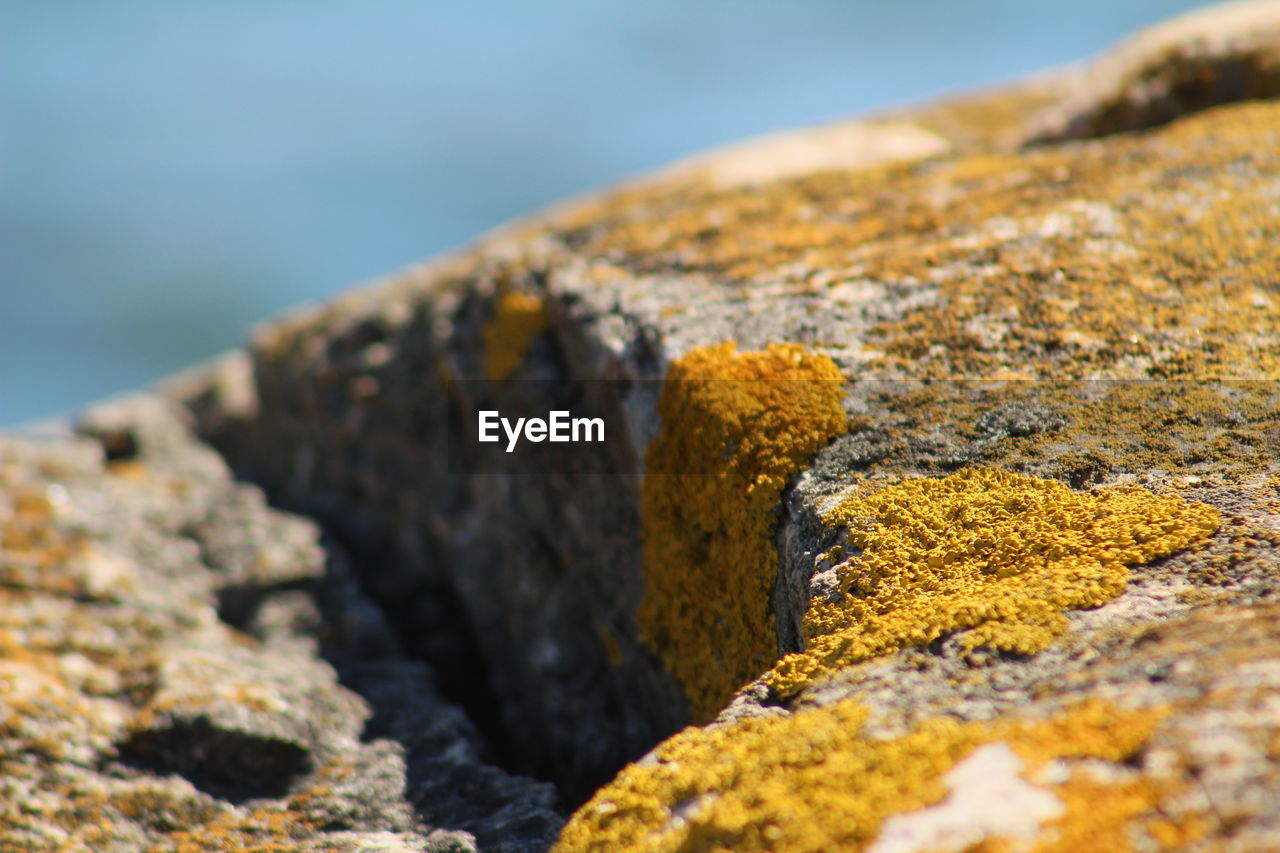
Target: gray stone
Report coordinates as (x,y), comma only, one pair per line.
(1066,282)
(981,247)
(138,719)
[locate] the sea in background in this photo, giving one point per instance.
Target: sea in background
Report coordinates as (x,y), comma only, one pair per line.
(173,172)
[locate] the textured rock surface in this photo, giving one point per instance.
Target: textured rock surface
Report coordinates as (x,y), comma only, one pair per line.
(976,412)
(163,686)
(966,240)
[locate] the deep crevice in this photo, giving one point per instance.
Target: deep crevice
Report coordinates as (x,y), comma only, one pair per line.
(429,625)
(450,649)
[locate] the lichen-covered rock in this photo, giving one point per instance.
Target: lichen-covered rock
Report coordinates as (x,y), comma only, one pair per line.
(161,684)
(1157,737)
(944,471)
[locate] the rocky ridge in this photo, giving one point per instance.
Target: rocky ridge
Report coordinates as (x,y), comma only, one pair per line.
(944,479)
(180,663)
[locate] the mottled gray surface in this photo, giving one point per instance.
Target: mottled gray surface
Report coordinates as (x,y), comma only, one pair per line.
(535,561)
(165,672)
(961,254)
(184,665)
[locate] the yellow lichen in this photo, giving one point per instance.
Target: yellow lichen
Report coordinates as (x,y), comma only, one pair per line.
(1102,816)
(266,829)
(735,428)
(812,781)
(1145,255)
(517,319)
(996,554)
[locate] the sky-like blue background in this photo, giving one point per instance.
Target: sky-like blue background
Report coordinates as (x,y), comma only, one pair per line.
(172,172)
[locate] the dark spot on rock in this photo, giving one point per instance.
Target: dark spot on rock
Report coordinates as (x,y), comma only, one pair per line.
(239,605)
(233,765)
(119,446)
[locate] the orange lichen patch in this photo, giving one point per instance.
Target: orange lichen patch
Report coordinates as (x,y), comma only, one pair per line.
(182,822)
(251,697)
(93,820)
(741,234)
(266,829)
(735,428)
(1141,255)
(811,781)
(1100,816)
(14,652)
(129,469)
(84,660)
(1168,833)
(163,809)
(1101,813)
(998,555)
(29,503)
(1092,729)
(83,824)
(38,554)
(41,716)
(1148,255)
(517,319)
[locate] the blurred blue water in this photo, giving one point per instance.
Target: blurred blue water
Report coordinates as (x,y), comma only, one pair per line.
(172,172)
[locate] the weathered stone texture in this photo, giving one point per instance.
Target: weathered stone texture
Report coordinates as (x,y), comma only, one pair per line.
(937,244)
(976,410)
(163,684)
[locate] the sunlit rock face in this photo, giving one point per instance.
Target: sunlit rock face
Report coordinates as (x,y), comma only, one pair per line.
(940,475)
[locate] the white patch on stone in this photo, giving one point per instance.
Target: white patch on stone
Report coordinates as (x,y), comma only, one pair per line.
(106,575)
(988,799)
(843,145)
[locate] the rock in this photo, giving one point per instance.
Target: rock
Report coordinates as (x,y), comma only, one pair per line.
(936,510)
(1198,60)
(135,718)
(956,288)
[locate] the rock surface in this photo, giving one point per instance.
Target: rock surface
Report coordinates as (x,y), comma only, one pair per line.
(163,684)
(941,475)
